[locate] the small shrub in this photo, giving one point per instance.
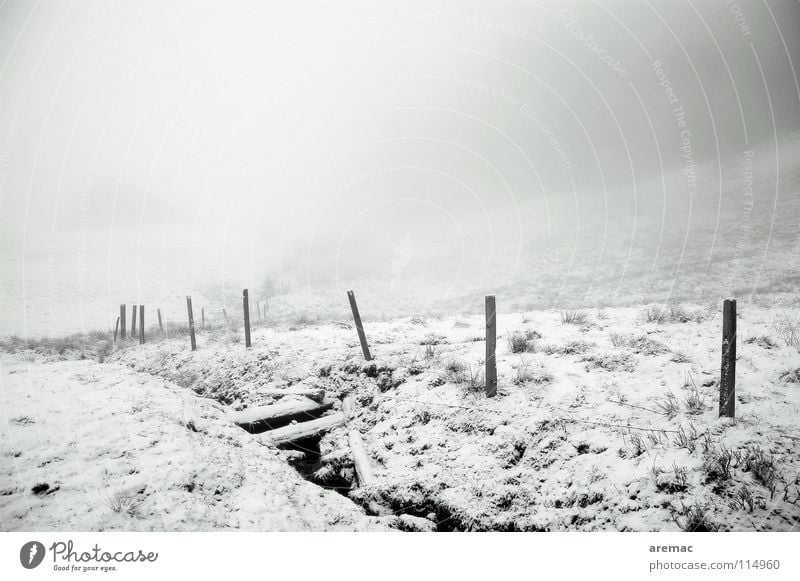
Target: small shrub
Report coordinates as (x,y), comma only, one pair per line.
(121,501)
(635,444)
(455,371)
(686,439)
(695,401)
(763,341)
(610,362)
(641,345)
(475,379)
(719,463)
(669,405)
(788,330)
(574,317)
(433,339)
(522,341)
(672,482)
(531,372)
(762,466)
(575,347)
(695,519)
(744,500)
(618,339)
(791,375)
(655,314)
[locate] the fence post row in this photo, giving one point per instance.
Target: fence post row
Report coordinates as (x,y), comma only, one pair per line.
(246,306)
(362,337)
(727,379)
(122,321)
(490,376)
(191,322)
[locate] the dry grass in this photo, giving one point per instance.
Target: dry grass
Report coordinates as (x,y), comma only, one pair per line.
(574,317)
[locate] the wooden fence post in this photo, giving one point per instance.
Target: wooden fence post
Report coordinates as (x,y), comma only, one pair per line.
(202,317)
(362,337)
(191,322)
(122,321)
(225,314)
(116,328)
(133,322)
(727,379)
(491,347)
(141,324)
(246,306)
(160,325)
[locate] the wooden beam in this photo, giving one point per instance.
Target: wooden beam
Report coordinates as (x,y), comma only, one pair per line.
(301,431)
(360,459)
(270,417)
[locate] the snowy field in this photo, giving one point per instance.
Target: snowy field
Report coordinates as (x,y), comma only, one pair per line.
(604,420)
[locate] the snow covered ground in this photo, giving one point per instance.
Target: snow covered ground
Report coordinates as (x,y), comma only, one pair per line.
(90,446)
(607,422)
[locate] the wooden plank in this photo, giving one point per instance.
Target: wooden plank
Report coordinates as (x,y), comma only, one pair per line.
(360,459)
(246,307)
(279,414)
(116,329)
(303,430)
(362,337)
(727,380)
(491,347)
(191,322)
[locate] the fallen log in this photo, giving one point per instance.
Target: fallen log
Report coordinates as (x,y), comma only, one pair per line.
(315,393)
(360,459)
(303,430)
(268,417)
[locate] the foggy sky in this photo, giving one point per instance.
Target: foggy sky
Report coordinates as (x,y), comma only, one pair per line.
(245,135)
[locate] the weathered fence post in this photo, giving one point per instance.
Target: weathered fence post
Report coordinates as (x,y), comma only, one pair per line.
(727,379)
(491,347)
(359,327)
(191,322)
(160,325)
(141,324)
(122,321)
(202,317)
(133,322)
(225,314)
(246,306)
(116,328)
